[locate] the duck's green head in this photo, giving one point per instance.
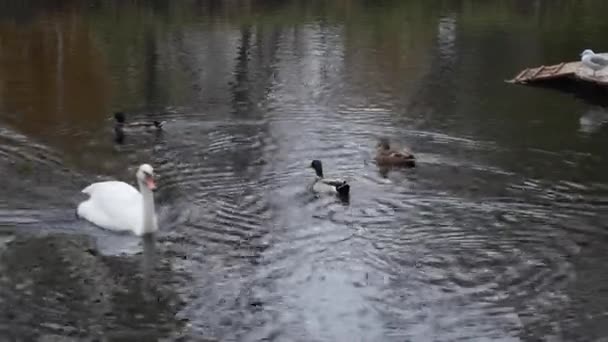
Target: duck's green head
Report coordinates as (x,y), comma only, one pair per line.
(316,164)
(119,117)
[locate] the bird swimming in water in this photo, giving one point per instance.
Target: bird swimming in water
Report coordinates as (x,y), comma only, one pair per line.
(120,118)
(387,156)
(121,126)
(324,185)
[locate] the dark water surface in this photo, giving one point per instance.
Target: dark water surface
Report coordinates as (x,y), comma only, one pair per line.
(498,234)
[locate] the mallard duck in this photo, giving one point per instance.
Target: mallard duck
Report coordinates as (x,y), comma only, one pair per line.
(324,185)
(120,126)
(387,156)
(119,120)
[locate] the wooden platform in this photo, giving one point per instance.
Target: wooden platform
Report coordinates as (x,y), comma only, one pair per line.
(565,70)
(544,72)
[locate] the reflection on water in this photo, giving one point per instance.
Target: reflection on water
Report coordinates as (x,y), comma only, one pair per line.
(496,234)
(593,119)
(149,256)
(58,285)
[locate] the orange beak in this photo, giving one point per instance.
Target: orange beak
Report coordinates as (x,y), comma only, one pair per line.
(150,183)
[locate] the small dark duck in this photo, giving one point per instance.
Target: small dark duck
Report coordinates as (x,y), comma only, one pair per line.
(121,126)
(392,157)
(120,120)
(324,185)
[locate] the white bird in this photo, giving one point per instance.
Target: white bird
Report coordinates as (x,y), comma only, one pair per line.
(593,61)
(119,206)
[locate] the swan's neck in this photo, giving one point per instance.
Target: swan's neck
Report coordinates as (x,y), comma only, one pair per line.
(149,212)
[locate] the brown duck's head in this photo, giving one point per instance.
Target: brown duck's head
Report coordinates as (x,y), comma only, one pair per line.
(383,144)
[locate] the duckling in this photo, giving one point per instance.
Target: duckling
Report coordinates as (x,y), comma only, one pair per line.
(328,186)
(386,156)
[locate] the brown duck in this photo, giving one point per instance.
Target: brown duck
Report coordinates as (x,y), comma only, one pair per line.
(391,157)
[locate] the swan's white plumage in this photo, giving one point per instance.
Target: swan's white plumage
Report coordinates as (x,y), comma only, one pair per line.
(118,206)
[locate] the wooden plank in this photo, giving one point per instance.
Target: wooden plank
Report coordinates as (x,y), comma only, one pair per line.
(520,75)
(546,72)
(559,67)
(542,67)
(563,70)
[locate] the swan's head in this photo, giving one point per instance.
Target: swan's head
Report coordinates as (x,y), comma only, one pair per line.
(145,175)
(587,52)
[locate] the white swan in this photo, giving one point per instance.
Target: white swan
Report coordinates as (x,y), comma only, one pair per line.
(118,206)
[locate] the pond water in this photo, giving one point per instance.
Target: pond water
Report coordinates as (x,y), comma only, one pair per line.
(498,234)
